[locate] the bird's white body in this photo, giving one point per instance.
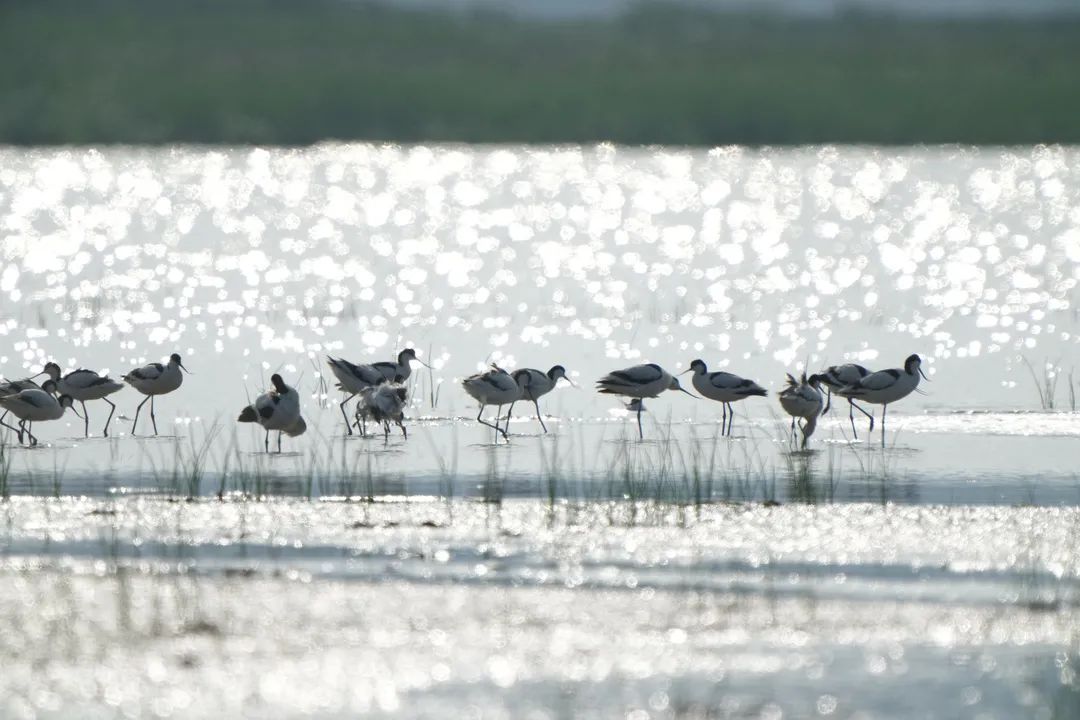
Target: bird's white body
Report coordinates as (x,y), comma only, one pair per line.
(34,405)
(637,381)
(534,385)
(838,376)
(882,387)
(156,378)
(494,387)
(86,385)
(723,387)
(354,378)
(802,401)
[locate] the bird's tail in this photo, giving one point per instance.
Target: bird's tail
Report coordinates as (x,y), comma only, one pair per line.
(248,415)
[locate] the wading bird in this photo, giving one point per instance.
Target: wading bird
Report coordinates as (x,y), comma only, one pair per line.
(276,409)
(35,405)
(837,376)
(384,404)
(537,384)
(155,379)
(494,387)
(639,382)
(353,378)
(83,385)
(886,386)
(12,387)
(801,399)
(724,388)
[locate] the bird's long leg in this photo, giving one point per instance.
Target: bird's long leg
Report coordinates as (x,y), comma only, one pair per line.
(864,412)
(884,407)
(386,432)
(266,443)
(86,418)
(641,433)
(33,440)
(348,425)
(105,432)
(731,419)
(404,432)
(828,400)
(723,422)
(508,414)
(22,431)
(794,437)
(279,442)
(538,416)
(851,416)
(153,418)
(480,419)
(135,422)
(9,427)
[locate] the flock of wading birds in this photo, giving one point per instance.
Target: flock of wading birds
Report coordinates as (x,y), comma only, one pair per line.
(383,396)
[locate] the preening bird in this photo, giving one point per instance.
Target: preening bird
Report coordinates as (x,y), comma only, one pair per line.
(276,409)
(384,404)
(801,399)
(355,378)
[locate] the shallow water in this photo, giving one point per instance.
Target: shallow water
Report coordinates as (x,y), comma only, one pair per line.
(580,573)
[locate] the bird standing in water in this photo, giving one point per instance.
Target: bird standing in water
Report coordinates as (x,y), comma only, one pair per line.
(276,409)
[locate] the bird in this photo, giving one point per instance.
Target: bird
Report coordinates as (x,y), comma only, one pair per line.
(276,409)
(353,378)
(11,387)
(886,386)
(537,384)
(723,387)
(639,382)
(35,405)
(384,404)
(494,387)
(155,379)
(83,385)
(402,368)
(801,399)
(835,377)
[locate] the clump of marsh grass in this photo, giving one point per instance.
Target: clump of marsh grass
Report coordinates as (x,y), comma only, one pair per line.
(1046,387)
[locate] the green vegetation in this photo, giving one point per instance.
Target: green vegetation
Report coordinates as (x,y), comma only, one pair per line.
(291,72)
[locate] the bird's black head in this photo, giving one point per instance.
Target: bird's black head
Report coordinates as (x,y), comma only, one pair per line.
(699,366)
(279,384)
(175,357)
(556,372)
(406,355)
(49,386)
(914,365)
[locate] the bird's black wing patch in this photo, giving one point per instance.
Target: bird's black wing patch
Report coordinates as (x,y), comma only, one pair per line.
(266,411)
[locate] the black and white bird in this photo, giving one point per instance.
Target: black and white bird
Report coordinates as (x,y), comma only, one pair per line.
(83,385)
(639,382)
(801,399)
(725,388)
(155,379)
(886,386)
(494,387)
(835,377)
(537,383)
(276,409)
(12,387)
(383,404)
(354,378)
(35,405)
